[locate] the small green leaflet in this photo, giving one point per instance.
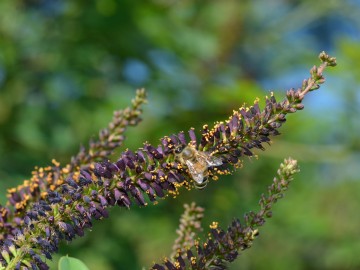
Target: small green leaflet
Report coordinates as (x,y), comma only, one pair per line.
(69,263)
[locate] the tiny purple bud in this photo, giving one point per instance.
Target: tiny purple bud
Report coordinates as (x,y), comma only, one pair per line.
(143,185)
(182,139)
(247,152)
(129,163)
(117,194)
(192,135)
(158,267)
(148,176)
(158,189)
(121,164)
(141,156)
(102,200)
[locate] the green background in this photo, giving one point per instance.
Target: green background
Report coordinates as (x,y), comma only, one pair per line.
(66,65)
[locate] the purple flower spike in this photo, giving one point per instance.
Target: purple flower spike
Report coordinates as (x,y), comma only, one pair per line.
(61,202)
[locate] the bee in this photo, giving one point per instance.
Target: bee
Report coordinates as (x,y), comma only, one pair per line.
(198,163)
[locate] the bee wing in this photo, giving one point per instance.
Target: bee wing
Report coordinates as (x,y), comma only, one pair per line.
(214,161)
(196,175)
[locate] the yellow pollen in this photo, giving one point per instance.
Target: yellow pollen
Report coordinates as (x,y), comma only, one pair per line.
(11,190)
(214,225)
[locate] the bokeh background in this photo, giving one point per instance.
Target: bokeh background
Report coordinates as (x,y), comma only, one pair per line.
(65,65)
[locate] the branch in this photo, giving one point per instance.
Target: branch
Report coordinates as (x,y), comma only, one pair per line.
(153,172)
(50,178)
(223,246)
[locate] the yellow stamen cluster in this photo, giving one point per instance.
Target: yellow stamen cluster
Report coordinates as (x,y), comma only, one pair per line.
(214,225)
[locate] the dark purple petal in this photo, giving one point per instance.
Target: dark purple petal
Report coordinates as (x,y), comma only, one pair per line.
(158,267)
(136,193)
(182,138)
(80,208)
(172,177)
(104,213)
(170,266)
(130,154)
(192,135)
(138,170)
(129,163)
(141,156)
(117,194)
(93,193)
(62,226)
(79,231)
(102,200)
(151,194)
(232,159)
(143,185)
(102,170)
(86,199)
(71,182)
(85,174)
(217,134)
(174,140)
(181,262)
(128,183)
(158,190)
(121,164)
(234,123)
(124,199)
(148,176)
(83,181)
(231,256)
(189,254)
(247,152)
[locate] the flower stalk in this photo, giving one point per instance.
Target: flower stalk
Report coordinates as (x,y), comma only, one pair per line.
(66,202)
(190,224)
(51,177)
(222,246)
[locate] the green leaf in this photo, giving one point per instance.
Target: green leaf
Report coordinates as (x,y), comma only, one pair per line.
(69,263)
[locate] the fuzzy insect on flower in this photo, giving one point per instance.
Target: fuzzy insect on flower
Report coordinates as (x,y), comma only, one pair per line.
(197,163)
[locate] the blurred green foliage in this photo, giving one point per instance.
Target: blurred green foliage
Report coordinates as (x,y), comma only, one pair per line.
(69,263)
(66,65)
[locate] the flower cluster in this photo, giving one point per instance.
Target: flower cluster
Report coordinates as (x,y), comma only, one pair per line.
(224,246)
(66,200)
(50,178)
(190,223)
